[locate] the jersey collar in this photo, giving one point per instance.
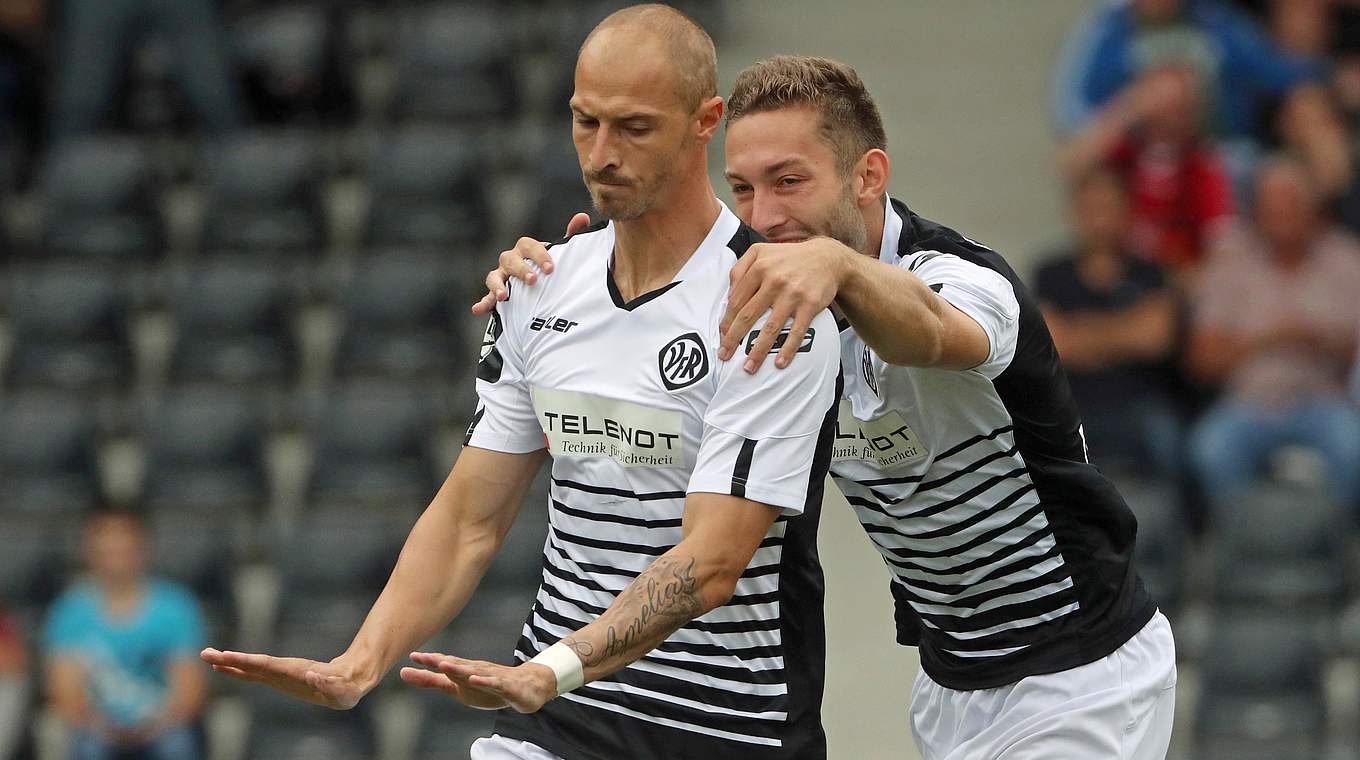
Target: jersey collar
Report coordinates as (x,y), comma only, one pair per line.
(892,233)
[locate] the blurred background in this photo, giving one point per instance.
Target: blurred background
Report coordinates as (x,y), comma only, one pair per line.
(239,238)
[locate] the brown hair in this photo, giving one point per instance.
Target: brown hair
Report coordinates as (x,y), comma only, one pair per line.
(849,117)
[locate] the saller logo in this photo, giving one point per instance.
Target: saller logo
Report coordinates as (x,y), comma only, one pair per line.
(683,362)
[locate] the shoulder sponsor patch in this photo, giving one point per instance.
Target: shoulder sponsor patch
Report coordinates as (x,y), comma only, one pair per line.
(683,362)
(885,440)
(586,425)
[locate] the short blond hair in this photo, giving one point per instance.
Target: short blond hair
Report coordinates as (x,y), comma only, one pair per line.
(849,117)
(691,49)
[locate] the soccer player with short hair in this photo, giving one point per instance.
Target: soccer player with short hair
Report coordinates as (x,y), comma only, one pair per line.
(680,613)
(958,443)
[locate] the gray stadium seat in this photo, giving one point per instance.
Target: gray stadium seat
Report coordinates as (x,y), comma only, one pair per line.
(234,321)
(454,63)
(48,457)
(1262,684)
(372,445)
(71,329)
(287,55)
(1282,546)
(262,194)
(561,191)
(205,449)
(345,548)
(197,547)
(400,320)
(101,200)
(1162,537)
(284,727)
(38,552)
(427,190)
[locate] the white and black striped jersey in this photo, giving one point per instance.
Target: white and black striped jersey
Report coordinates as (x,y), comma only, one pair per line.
(1011,554)
(637,411)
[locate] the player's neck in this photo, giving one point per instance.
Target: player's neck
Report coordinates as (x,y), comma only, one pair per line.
(650,250)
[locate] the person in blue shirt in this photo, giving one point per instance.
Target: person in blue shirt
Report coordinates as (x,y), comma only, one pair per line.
(1118,41)
(121,650)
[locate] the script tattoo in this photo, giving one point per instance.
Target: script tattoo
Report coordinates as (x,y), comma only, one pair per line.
(666,597)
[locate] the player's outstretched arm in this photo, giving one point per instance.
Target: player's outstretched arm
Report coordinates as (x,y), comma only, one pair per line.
(444,558)
(721,534)
(892,309)
(518,264)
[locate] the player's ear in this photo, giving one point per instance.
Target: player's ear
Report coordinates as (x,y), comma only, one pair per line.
(710,113)
(872,173)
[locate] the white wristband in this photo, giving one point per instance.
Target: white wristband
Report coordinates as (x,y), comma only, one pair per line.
(565,664)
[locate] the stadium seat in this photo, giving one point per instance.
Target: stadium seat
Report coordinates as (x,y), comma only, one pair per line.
(372,445)
(38,552)
(70,326)
(101,200)
(262,194)
(561,191)
(454,63)
(400,320)
(345,547)
(427,190)
(1282,546)
(519,563)
(202,559)
(287,55)
(206,449)
(234,321)
(284,727)
(1262,685)
(48,458)
(1162,537)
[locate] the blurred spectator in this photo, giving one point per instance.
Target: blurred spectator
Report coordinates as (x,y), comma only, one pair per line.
(21,42)
(95,37)
(1225,48)
(1113,319)
(1149,135)
(121,648)
(1275,325)
(13,685)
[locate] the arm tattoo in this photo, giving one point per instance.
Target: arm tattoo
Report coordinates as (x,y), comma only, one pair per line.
(660,600)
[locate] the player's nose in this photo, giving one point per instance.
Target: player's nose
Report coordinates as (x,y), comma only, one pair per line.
(767,213)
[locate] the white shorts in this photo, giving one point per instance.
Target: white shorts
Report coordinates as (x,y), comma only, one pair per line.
(1119,707)
(500,748)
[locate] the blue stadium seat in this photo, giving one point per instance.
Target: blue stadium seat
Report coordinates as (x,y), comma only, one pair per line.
(101,200)
(71,329)
(427,190)
(48,455)
(262,193)
(235,323)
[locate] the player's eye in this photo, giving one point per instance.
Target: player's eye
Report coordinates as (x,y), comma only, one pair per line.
(584,121)
(789,181)
(741,189)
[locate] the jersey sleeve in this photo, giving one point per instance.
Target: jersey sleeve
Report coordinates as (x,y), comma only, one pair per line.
(983,294)
(505,419)
(767,436)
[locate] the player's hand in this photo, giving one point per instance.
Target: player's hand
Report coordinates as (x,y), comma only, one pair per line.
(518,263)
(337,684)
(791,281)
(484,685)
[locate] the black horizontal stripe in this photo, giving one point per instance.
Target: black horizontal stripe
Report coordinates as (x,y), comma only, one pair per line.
(634,548)
(1023,636)
(975,541)
(590,583)
(966,469)
(678,684)
(1007,549)
(636,522)
(954,528)
(603,491)
(973,441)
(753,625)
(765,728)
(1005,614)
(686,647)
(998,572)
(973,601)
(870,483)
(962,498)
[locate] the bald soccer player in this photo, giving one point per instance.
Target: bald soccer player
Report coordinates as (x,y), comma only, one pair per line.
(680,612)
(958,443)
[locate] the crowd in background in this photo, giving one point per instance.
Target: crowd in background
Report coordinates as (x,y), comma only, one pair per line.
(1207,307)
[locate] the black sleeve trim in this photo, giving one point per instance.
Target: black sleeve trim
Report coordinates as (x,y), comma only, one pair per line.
(741,471)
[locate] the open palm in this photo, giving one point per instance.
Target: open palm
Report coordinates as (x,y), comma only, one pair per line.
(334,685)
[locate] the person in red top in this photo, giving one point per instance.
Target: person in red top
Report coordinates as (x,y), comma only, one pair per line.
(13,684)
(1180,190)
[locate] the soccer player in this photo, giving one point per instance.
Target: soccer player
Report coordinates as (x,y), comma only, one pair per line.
(958,442)
(685,492)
